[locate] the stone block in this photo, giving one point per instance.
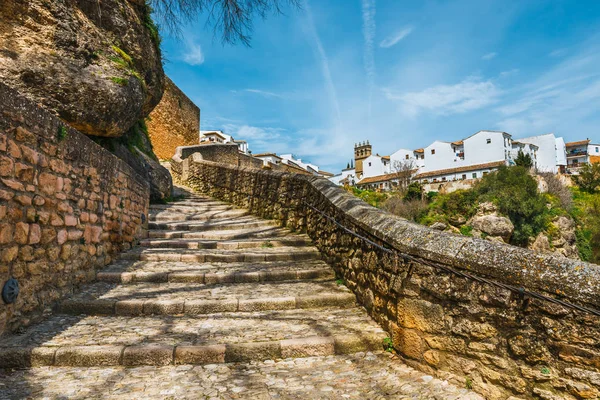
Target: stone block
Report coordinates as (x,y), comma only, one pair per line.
(164,307)
(258,351)
(262,304)
(129,307)
(197,307)
(88,356)
(151,354)
(21,233)
(307,347)
(407,342)
(199,355)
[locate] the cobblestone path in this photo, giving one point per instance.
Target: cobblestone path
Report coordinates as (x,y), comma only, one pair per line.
(214,304)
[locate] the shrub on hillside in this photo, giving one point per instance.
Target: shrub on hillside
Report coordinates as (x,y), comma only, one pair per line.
(586,213)
(414,192)
(412,209)
(588,179)
(376,199)
(557,189)
(453,205)
(516,195)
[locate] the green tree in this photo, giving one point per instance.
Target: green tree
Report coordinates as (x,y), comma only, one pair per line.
(414,192)
(232,20)
(523,160)
(588,179)
(516,195)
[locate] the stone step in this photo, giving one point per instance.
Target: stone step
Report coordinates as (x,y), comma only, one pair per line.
(363,375)
(192,209)
(103,298)
(217,255)
(168,216)
(190,203)
(291,241)
(225,337)
(238,223)
(269,232)
(126,271)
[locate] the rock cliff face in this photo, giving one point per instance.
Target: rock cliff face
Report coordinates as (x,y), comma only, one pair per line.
(95,63)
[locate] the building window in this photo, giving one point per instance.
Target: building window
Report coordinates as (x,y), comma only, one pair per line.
(369,164)
(444,179)
(407,154)
(432,151)
(464,176)
(597,150)
(489,141)
(474,175)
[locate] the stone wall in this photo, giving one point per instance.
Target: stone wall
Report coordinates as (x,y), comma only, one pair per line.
(174,122)
(499,342)
(228,154)
(67,206)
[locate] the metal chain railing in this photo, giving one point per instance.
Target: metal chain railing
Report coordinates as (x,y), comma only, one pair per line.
(522,292)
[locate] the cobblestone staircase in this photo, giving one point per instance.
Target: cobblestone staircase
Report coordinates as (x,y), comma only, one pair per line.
(211,285)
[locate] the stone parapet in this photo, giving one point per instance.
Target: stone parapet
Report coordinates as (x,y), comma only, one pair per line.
(500,342)
(67,208)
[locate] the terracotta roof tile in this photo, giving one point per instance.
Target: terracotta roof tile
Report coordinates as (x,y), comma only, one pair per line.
(460,169)
(579,143)
(378,178)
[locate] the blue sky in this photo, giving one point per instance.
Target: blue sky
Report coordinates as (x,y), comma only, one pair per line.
(398,73)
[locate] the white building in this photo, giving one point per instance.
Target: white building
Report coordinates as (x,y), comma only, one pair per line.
(268,158)
(580,153)
(348,176)
(551,153)
(290,159)
(469,158)
(220,137)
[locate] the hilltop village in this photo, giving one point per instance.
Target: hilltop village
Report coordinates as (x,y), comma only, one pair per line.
(464,160)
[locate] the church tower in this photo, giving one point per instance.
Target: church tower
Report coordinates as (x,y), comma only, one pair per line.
(361,151)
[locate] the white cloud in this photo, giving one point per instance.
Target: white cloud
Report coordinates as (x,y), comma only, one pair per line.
(468,95)
(558,53)
(510,72)
(396,37)
(325,70)
(562,100)
(489,56)
(264,93)
(193,53)
(369,28)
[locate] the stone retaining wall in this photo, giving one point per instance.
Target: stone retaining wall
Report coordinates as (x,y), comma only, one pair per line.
(174,122)
(67,207)
(499,343)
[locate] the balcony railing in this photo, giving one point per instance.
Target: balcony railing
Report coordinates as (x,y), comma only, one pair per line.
(576,153)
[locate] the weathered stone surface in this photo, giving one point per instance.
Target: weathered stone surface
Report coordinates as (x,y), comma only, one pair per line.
(98,67)
(55,178)
(174,122)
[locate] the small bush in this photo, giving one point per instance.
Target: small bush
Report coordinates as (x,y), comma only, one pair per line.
(557,189)
(61,133)
(466,230)
(376,199)
(412,210)
(588,179)
(119,81)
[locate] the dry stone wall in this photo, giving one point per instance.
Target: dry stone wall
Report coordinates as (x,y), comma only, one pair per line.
(499,342)
(174,122)
(67,207)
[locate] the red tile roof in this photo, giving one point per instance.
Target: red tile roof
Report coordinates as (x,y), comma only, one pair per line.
(468,168)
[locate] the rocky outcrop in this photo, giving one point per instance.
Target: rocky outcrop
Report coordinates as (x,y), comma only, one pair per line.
(488,221)
(560,238)
(95,63)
